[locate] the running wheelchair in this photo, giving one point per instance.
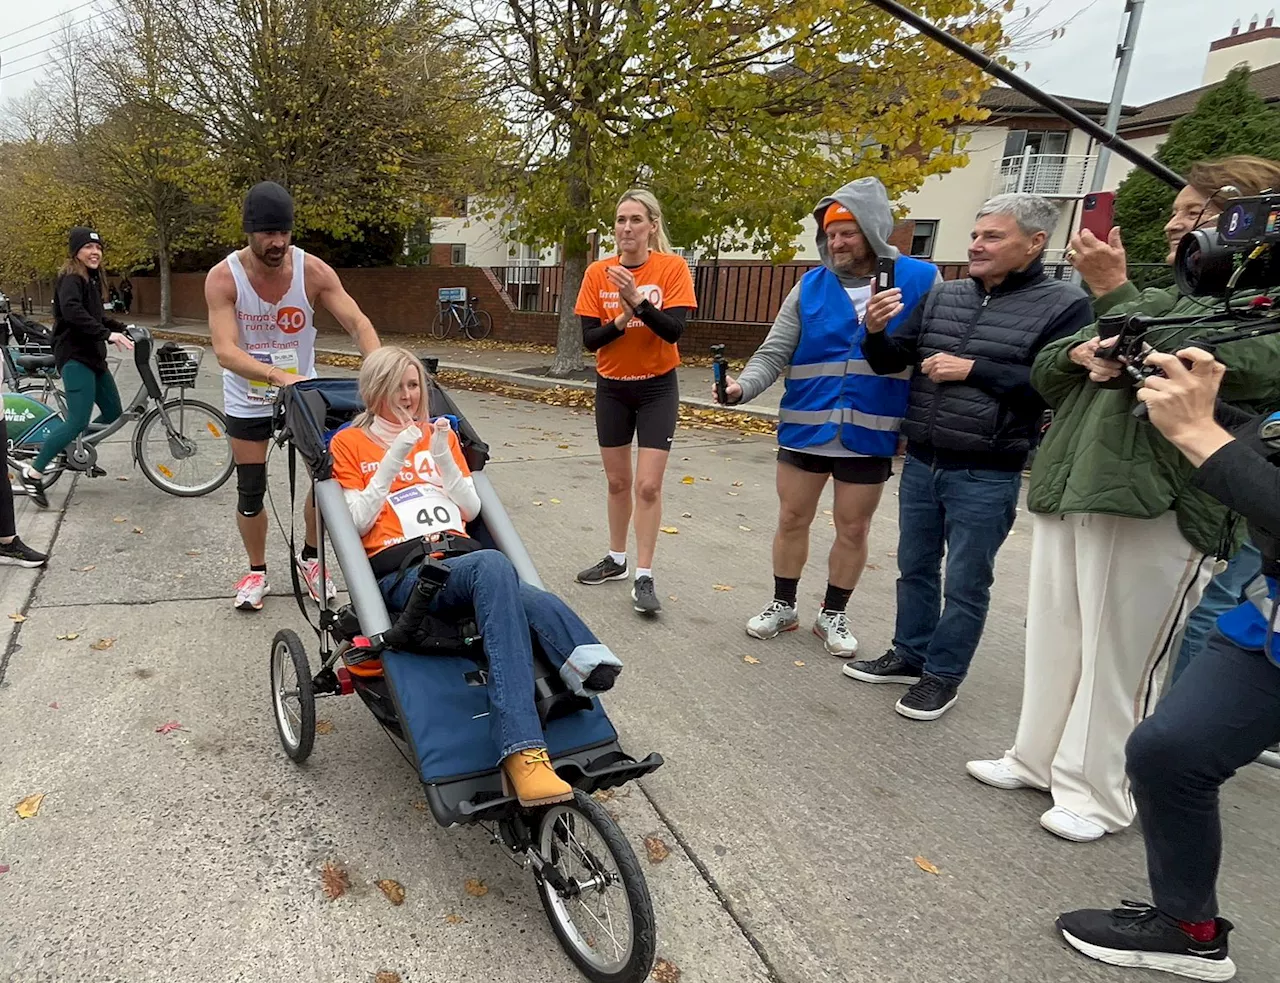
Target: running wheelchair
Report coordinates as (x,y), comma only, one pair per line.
(434,708)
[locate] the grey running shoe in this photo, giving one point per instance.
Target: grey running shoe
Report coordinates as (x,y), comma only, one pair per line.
(606,569)
(645,596)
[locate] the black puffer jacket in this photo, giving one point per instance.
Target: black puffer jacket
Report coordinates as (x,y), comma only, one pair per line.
(80,328)
(987,421)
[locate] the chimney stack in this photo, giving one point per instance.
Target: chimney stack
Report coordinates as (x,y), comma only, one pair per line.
(1271,17)
(1253,24)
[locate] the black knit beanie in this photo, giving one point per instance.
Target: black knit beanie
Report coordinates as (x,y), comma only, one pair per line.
(81,237)
(268,208)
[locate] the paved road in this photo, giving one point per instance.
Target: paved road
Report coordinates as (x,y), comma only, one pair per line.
(794,799)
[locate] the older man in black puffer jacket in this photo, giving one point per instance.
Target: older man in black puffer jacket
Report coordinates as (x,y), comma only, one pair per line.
(971,422)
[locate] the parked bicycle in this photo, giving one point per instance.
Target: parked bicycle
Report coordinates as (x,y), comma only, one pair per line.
(464,315)
(180,443)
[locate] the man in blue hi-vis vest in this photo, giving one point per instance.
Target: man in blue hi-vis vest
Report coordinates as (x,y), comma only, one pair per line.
(1220,714)
(970,423)
(837,419)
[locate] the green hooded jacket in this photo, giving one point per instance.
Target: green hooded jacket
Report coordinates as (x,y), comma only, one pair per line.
(1098,458)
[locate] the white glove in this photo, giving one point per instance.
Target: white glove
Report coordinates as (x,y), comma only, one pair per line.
(440,431)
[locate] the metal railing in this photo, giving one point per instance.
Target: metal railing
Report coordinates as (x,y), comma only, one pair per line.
(1048,175)
(530,286)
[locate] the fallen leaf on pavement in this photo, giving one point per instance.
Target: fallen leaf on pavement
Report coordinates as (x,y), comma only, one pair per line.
(555,501)
(826,511)
(70,636)
(19,618)
(121,478)
(119,518)
(453,919)
(893,553)
(563,447)
(28,807)
(324,726)
(102,644)
(537,503)
(334,880)
(745,528)
(394,891)
(193,552)
(386,976)
(687,480)
(138,530)
(705,478)
(669,530)
(665,972)
(686,515)
(751,660)
(926,866)
(721,587)
(734,494)
(476,888)
(799,663)
(672,597)
(420,806)
(169,728)
(737,484)
(54,705)
(657,849)
(91,566)
(604,795)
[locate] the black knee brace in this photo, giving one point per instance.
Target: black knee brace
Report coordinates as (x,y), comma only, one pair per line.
(251,487)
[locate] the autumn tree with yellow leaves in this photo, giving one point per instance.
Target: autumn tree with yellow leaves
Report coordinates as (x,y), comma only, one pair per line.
(739,114)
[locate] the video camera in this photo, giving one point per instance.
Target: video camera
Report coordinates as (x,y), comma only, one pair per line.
(1240,254)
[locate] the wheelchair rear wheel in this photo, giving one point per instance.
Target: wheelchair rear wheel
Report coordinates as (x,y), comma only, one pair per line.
(292,695)
(601,911)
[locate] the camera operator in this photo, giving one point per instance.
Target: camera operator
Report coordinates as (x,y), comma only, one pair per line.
(1219,716)
(1122,541)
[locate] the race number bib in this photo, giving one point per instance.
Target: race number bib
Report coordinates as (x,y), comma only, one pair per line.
(424,510)
(285,360)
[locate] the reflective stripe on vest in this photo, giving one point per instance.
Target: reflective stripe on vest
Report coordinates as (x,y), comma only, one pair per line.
(853,366)
(815,418)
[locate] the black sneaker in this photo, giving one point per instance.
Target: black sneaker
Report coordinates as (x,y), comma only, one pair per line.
(645,596)
(34,487)
(1140,936)
(889,668)
(928,699)
(606,569)
(19,554)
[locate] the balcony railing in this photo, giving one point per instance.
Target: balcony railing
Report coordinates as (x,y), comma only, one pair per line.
(1048,175)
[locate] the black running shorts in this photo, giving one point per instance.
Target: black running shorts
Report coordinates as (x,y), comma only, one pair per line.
(648,408)
(256,428)
(850,470)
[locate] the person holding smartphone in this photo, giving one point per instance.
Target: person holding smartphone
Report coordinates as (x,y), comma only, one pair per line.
(971,419)
(837,420)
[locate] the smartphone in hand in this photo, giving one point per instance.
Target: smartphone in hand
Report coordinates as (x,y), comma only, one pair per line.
(884,273)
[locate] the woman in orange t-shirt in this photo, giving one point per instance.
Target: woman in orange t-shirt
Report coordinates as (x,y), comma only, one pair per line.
(634,307)
(403,479)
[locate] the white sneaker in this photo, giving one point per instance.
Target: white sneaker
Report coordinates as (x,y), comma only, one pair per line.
(774,620)
(251,590)
(310,570)
(833,628)
(1065,823)
(996,773)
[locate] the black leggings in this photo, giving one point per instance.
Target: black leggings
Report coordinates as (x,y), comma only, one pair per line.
(7,526)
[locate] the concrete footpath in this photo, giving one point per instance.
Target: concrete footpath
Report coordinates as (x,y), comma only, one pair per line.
(520,365)
(815,836)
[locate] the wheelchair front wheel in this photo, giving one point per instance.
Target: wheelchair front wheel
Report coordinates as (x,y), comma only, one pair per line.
(600,911)
(292,695)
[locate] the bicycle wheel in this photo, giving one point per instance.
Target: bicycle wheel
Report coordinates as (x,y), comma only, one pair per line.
(189,457)
(442,324)
(601,914)
(479,324)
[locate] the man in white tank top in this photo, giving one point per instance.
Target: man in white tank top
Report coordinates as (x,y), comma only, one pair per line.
(262,302)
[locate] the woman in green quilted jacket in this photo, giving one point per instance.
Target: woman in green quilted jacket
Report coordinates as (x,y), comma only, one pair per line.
(1123,545)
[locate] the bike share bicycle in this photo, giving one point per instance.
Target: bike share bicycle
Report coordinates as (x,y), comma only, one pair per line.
(181,443)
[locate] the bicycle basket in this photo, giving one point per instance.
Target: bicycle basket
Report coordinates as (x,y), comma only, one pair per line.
(178,365)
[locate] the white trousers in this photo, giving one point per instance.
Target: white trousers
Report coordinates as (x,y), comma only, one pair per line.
(1107,601)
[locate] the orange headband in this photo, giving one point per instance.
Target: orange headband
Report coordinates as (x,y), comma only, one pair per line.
(836,212)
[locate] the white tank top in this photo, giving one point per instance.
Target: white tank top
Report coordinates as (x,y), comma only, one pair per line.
(281,334)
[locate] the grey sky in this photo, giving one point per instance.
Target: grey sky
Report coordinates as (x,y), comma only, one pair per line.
(1170,55)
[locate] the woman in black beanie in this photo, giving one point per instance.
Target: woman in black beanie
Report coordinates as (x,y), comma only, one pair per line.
(80,335)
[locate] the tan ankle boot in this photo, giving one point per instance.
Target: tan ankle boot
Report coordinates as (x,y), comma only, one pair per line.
(529,776)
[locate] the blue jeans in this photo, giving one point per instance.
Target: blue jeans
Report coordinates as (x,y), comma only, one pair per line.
(506,610)
(965,514)
(1224,592)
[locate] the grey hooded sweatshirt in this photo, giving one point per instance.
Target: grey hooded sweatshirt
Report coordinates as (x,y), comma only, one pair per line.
(867,199)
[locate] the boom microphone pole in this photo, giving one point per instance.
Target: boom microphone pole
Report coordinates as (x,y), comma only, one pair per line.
(1051,103)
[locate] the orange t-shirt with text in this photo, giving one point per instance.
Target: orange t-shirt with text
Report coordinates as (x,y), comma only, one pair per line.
(356,456)
(664,280)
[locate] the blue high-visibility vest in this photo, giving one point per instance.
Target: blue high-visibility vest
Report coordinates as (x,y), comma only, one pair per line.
(1249,624)
(831,391)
